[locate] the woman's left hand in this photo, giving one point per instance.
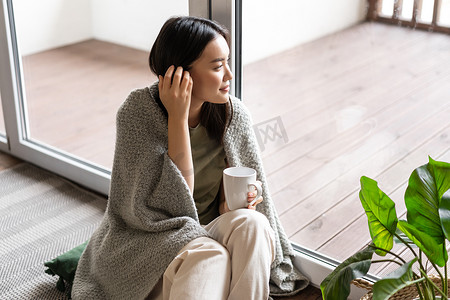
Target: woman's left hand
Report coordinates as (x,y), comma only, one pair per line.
(251,197)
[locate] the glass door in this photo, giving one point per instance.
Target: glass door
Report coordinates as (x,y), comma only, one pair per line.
(70,64)
(4,146)
(334,98)
(3,139)
(2,121)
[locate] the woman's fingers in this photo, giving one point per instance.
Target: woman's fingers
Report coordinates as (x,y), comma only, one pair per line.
(177,77)
(251,199)
(186,81)
(251,196)
(174,79)
(168,78)
(253,206)
(175,90)
(260,199)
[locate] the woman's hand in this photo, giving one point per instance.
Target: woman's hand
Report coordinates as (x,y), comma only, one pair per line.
(175,90)
(251,197)
(223,207)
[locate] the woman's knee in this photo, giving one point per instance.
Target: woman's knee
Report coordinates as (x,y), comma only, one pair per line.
(201,253)
(251,218)
(252,227)
(203,260)
(206,246)
(250,222)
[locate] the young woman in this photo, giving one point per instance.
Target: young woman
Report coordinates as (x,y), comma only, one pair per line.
(167,232)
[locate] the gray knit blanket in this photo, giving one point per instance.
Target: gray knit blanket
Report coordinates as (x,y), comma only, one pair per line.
(151,214)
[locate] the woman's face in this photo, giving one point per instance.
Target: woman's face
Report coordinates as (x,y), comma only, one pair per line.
(211,73)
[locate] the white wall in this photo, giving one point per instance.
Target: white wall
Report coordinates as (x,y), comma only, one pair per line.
(45,24)
(133,23)
(271,26)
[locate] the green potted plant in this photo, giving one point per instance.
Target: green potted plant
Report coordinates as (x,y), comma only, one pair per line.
(424,233)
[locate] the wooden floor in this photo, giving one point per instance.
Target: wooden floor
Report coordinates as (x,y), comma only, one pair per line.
(74,92)
(7,161)
(371,100)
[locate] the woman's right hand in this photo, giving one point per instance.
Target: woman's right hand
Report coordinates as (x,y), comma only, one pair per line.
(175,90)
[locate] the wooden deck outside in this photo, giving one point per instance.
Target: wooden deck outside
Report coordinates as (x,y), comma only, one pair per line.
(371,100)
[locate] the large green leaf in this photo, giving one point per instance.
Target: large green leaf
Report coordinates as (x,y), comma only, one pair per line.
(381,215)
(427,185)
(435,252)
(444,214)
(392,283)
(404,239)
(336,286)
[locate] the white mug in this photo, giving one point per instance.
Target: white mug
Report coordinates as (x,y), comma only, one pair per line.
(236,184)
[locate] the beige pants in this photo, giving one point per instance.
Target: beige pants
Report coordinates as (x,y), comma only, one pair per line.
(235,265)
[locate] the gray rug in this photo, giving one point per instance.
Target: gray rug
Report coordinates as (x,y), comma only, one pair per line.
(41,217)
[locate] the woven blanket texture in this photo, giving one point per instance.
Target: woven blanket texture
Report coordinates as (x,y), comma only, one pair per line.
(41,217)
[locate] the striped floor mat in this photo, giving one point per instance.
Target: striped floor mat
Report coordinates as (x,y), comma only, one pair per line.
(41,217)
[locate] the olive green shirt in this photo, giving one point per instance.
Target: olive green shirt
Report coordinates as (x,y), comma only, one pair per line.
(209,162)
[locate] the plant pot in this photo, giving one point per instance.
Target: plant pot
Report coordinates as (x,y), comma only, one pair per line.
(400,296)
(407,293)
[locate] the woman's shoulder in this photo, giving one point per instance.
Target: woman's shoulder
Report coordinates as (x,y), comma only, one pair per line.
(236,102)
(140,98)
(140,101)
(141,109)
(240,110)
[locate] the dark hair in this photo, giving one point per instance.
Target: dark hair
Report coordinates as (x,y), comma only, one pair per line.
(180,42)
